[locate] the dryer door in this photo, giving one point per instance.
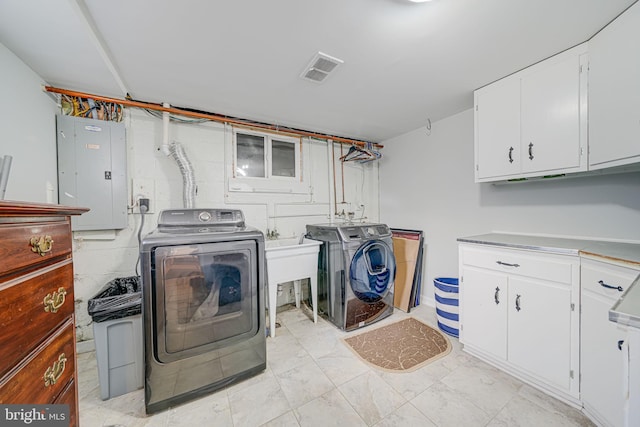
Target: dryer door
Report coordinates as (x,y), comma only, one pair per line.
(373,270)
(204,297)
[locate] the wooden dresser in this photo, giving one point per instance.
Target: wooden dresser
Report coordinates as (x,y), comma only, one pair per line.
(37,322)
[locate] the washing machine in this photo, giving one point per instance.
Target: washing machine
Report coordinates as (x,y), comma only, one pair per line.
(356,273)
(203,279)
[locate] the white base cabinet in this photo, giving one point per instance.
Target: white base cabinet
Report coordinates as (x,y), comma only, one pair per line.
(604,346)
(519,312)
(539,331)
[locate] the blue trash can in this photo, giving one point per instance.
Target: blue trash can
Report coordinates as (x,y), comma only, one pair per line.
(446,292)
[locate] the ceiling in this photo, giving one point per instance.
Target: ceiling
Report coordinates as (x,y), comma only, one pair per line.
(405,64)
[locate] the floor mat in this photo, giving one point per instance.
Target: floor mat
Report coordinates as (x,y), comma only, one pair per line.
(405,345)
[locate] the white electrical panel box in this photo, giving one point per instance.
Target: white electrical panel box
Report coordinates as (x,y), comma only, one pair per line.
(92,165)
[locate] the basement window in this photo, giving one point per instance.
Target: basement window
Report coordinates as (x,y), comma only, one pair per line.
(264,162)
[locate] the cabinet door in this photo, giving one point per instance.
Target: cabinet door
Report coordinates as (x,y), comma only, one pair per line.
(551,115)
(602,363)
(497,129)
(539,331)
(603,389)
(484,311)
(614,92)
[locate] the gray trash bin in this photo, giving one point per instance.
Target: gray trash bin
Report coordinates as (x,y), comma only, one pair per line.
(117,331)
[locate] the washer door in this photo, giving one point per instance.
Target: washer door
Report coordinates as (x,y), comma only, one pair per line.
(373,270)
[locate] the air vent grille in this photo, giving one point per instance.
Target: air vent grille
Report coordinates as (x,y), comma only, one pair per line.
(320,67)
(315,75)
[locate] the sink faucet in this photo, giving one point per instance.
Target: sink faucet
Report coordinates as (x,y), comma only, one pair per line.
(272,234)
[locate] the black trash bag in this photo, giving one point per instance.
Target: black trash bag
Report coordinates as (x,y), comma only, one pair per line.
(121,297)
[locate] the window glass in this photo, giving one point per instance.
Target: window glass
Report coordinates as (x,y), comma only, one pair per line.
(250,155)
(283,158)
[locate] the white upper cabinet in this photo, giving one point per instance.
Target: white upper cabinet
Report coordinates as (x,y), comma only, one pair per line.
(614,92)
(551,115)
(497,130)
(534,122)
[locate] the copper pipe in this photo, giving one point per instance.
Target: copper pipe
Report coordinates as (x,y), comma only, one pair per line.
(207,116)
(342,173)
(301,158)
(333,162)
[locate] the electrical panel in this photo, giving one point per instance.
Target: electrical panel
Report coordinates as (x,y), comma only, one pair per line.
(92,165)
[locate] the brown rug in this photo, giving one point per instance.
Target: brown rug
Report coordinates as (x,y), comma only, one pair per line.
(405,345)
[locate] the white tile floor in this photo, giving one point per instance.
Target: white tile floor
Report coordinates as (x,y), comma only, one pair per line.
(312,379)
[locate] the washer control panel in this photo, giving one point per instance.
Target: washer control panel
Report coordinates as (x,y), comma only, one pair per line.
(199,217)
(364,231)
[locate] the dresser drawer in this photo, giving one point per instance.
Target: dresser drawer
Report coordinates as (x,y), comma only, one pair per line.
(551,267)
(45,373)
(32,306)
(606,280)
(68,397)
(29,244)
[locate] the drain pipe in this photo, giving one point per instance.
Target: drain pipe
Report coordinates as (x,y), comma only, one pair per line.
(332,182)
(188,179)
(165,131)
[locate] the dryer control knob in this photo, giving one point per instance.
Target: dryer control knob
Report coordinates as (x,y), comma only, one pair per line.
(204,216)
(372,231)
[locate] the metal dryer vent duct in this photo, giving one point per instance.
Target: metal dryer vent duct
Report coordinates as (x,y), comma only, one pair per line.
(320,67)
(189,182)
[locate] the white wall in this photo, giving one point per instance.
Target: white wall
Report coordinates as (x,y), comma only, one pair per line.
(27,116)
(27,132)
(427,183)
(100,257)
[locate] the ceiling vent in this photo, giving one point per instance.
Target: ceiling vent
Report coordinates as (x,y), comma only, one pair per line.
(320,67)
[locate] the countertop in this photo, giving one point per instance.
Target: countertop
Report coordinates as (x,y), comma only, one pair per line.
(626,310)
(626,253)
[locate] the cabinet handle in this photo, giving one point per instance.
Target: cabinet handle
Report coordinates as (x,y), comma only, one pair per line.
(604,285)
(531,151)
(41,245)
(53,373)
(496,296)
(52,302)
(510,154)
(625,368)
(507,264)
(518,308)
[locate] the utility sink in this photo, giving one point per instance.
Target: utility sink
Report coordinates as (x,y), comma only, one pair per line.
(291,241)
(290,261)
(291,244)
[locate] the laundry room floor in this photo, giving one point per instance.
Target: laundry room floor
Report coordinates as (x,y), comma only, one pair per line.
(313,379)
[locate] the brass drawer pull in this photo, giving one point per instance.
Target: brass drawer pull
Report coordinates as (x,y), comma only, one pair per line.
(53,302)
(53,373)
(41,245)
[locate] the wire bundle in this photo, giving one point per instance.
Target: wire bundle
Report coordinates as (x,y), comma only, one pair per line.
(92,109)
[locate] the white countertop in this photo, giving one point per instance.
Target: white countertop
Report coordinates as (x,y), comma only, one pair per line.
(626,311)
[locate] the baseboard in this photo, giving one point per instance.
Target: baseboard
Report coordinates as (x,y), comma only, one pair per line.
(85,346)
(431,302)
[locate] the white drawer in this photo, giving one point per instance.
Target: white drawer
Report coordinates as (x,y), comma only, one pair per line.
(551,267)
(605,279)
